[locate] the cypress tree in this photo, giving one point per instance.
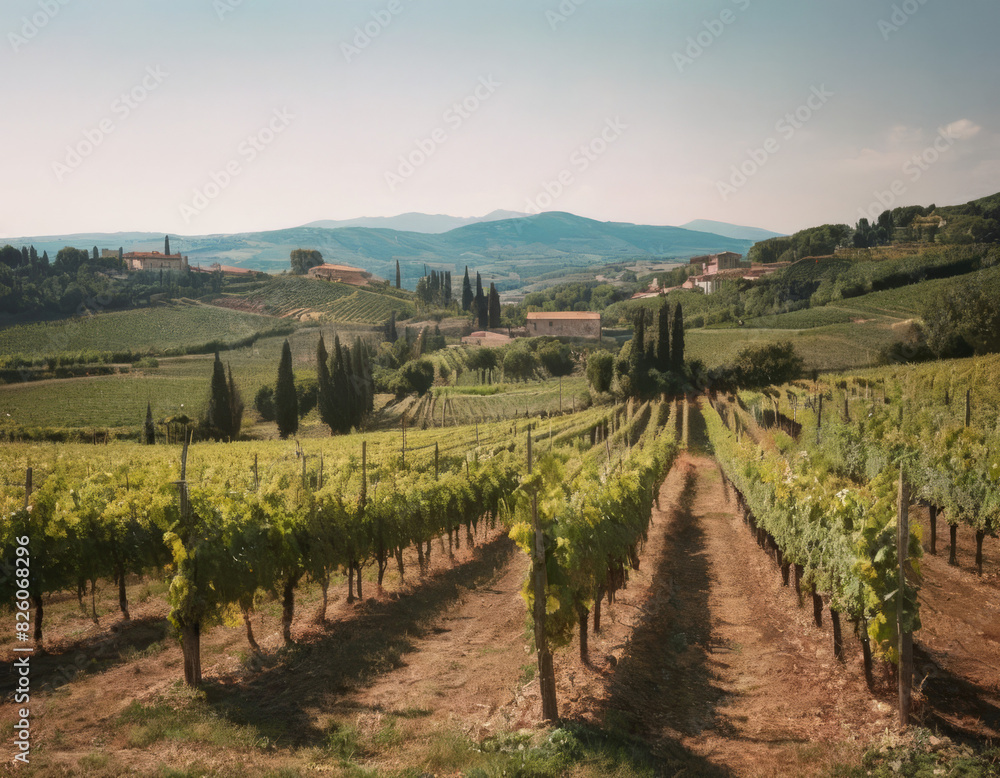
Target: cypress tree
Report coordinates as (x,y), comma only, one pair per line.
(45,258)
(236,406)
(638,369)
(326,402)
(25,257)
(219,416)
(341,389)
(663,337)
(677,340)
(390,328)
(149,428)
(398,278)
(362,374)
(494,307)
(369,378)
(121,256)
(467,294)
(482,311)
(286,403)
(447,287)
(94,252)
(166,245)
(352,397)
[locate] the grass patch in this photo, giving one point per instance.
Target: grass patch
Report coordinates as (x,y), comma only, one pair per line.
(922,754)
(190,721)
(172,328)
(133,654)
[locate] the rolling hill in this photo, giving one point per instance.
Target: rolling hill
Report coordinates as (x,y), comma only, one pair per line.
(510,250)
(730,230)
(415,222)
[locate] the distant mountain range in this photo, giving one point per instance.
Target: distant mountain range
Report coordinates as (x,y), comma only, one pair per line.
(731,230)
(514,249)
(433,224)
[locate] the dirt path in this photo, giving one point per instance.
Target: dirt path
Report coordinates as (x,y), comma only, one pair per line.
(466,671)
(722,666)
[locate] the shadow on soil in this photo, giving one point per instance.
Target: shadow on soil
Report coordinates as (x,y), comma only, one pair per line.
(958,707)
(664,686)
(281,699)
(125,642)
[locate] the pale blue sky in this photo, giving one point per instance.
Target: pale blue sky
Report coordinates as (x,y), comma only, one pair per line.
(330,132)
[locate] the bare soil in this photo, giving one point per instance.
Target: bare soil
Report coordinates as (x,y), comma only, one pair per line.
(705,656)
(717,666)
(957,649)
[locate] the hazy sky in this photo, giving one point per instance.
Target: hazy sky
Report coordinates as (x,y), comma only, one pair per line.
(205,116)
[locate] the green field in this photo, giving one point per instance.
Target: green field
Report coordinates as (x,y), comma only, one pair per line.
(159,330)
(833,347)
(180,385)
(120,400)
(284,295)
(896,304)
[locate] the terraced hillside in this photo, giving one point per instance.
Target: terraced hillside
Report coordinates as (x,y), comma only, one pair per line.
(309,299)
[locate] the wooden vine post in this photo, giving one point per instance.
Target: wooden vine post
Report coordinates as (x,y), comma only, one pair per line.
(36,598)
(364,473)
(546,670)
(905,636)
(191,628)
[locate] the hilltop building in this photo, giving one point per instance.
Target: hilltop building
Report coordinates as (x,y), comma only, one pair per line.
(712,282)
(154,260)
(343,274)
(713,263)
(568,324)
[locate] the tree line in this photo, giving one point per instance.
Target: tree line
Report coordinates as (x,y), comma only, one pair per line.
(78,281)
(652,362)
(343,392)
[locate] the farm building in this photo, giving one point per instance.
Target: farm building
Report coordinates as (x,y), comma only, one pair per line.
(226,270)
(571,324)
(154,260)
(714,263)
(712,282)
(343,274)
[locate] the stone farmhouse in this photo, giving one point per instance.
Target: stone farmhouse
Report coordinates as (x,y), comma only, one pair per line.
(343,274)
(154,260)
(569,324)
